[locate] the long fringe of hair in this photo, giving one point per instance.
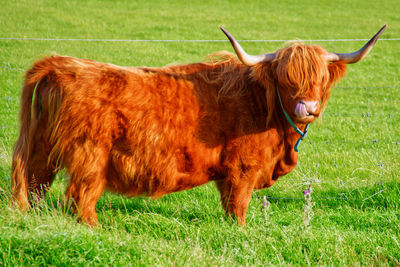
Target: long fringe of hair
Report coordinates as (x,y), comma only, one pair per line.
(301,68)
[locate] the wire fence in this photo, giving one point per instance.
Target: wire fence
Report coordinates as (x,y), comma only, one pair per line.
(180,41)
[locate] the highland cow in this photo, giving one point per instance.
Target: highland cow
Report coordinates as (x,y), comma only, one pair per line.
(153,131)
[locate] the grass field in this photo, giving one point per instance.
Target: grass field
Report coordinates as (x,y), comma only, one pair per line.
(351,156)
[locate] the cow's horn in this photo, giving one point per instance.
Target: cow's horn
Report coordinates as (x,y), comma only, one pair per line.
(354,57)
(246,59)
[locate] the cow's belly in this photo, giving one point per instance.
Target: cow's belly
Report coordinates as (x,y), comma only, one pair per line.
(133,176)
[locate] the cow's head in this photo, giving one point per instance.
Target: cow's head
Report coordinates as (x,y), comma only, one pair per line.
(303,74)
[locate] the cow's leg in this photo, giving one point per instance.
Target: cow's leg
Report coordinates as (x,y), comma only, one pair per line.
(235,197)
(41,173)
(87,166)
(84,194)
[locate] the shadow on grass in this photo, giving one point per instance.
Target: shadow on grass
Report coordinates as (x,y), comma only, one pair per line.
(203,204)
(180,206)
(5,193)
(5,186)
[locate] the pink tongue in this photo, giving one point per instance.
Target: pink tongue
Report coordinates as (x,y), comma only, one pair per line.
(301,110)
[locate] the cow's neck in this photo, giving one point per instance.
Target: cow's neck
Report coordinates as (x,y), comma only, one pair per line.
(287,155)
(288,138)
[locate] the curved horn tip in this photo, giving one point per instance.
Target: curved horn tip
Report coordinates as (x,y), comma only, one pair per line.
(246,59)
(226,32)
(379,33)
(350,58)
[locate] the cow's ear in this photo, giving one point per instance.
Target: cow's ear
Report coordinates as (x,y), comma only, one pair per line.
(337,70)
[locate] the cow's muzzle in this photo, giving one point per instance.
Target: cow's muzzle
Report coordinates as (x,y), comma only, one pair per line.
(306,109)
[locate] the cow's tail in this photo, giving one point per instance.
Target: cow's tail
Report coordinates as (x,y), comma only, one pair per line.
(35,79)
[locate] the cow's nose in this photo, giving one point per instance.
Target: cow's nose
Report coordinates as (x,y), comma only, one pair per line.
(306,108)
(311,106)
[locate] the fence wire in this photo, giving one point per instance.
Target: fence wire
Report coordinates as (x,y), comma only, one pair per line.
(180,40)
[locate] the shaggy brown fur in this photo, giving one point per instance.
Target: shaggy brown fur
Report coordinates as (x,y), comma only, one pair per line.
(155,131)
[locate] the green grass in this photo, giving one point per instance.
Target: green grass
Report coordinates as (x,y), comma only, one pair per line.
(351,157)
